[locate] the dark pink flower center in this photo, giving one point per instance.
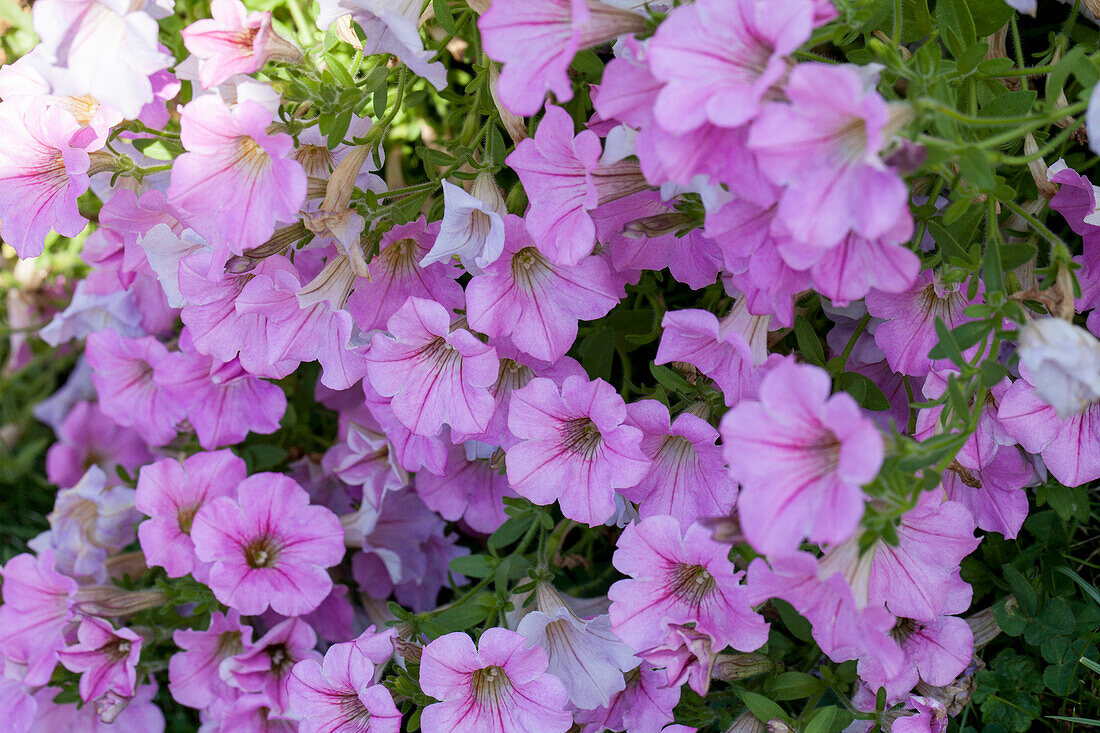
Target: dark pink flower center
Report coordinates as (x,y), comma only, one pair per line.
(904,628)
(401,257)
(262,552)
(490,684)
(438,353)
(229,645)
(827,451)
(185,517)
(580,435)
(281,659)
(691,583)
(352,710)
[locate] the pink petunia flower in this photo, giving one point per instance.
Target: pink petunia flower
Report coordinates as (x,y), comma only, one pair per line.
(106,659)
(535,303)
(584,653)
(396,274)
(801,457)
(193,671)
(823,147)
(681,577)
(265,667)
(234,41)
(235,180)
(140,714)
(688,478)
(500,686)
(269,547)
(89,438)
(471,489)
(574,447)
(103,49)
(224,403)
(727,350)
(171,493)
(44,167)
(718,58)
(687,655)
(123,373)
(365,457)
(37,609)
(564,181)
(536,41)
(341,694)
(434,375)
(645,705)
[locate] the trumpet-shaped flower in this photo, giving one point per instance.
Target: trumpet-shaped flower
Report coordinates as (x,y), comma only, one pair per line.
(500,686)
(679,577)
(88,438)
(535,303)
(105,658)
(37,608)
(171,493)
(265,667)
(193,671)
(233,41)
(433,374)
(269,547)
(44,167)
(235,180)
(574,447)
(801,457)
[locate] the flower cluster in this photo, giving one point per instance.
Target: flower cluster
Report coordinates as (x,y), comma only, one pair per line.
(713,366)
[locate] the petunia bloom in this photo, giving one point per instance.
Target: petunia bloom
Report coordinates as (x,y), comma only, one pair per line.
(680,577)
(434,375)
(35,614)
(105,658)
(269,547)
(535,303)
(87,437)
(341,694)
(171,493)
(574,447)
(537,39)
(235,180)
(473,225)
(193,671)
(718,58)
(44,168)
(265,667)
(801,456)
(234,41)
(500,686)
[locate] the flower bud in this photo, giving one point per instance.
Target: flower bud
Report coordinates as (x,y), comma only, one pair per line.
(110,602)
(731,667)
(515,126)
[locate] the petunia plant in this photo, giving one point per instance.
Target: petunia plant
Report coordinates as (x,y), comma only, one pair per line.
(549,366)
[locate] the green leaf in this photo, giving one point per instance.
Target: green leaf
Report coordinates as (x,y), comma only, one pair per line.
(1054,619)
(796,686)
(989,15)
(1022,589)
(970,58)
(947,345)
(475,566)
(864,390)
(964,336)
(956,25)
(825,721)
(995,67)
(465,616)
(799,627)
(1056,80)
(444,16)
(976,166)
(510,531)
(762,708)
(1009,617)
(808,342)
(1010,104)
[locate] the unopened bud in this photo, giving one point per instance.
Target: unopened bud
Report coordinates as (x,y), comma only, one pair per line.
(109,602)
(746,723)
(346,32)
(514,125)
(279,242)
(342,181)
(485,188)
(731,667)
(479,6)
(775,725)
(658,225)
(132,564)
(1038,168)
(102,161)
(984,625)
(410,651)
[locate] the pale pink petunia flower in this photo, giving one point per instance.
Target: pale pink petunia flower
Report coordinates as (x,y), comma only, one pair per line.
(105,658)
(688,478)
(564,180)
(123,372)
(235,180)
(193,671)
(105,49)
(823,146)
(537,39)
(909,333)
(472,489)
(801,457)
(234,41)
(679,576)
(44,168)
(500,686)
(719,58)
(265,667)
(341,694)
(269,547)
(473,225)
(645,705)
(87,437)
(365,457)
(171,493)
(434,375)
(35,615)
(574,447)
(535,303)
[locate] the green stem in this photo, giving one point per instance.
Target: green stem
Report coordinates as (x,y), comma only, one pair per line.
(1016,42)
(1037,225)
(855,337)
